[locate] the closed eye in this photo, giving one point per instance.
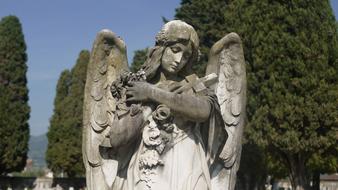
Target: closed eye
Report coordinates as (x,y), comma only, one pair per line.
(175,49)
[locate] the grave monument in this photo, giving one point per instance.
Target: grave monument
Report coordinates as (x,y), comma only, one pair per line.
(163,127)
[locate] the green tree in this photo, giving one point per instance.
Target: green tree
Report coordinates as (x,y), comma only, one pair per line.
(139,58)
(291,50)
(14,108)
(64,153)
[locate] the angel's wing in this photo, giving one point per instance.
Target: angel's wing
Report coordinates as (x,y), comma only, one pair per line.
(226,59)
(108,59)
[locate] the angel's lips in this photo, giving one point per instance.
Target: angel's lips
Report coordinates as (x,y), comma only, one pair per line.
(173,66)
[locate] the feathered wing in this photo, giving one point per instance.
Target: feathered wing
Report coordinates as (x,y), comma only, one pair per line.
(108,59)
(226,59)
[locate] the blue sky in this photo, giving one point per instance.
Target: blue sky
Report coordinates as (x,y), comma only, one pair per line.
(56,31)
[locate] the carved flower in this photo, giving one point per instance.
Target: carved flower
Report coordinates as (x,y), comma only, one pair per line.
(162,114)
(163,117)
(118,87)
(138,76)
(149,159)
(135,109)
(151,134)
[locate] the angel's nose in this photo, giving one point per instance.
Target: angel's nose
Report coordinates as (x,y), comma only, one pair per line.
(178,57)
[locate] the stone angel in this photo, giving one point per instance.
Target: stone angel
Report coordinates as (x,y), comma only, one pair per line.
(163,127)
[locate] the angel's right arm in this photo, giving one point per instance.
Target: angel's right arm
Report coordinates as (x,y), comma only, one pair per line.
(191,106)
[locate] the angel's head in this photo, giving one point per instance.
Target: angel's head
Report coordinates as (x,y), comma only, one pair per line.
(176,49)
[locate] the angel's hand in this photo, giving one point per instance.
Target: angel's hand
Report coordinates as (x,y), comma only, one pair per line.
(139,91)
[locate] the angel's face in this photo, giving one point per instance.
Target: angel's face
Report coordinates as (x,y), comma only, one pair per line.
(176,56)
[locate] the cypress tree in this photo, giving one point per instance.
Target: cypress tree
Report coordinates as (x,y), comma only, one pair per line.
(64,152)
(14,108)
(139,58)
(291,49)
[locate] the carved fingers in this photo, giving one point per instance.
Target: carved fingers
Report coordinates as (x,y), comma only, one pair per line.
(138,92)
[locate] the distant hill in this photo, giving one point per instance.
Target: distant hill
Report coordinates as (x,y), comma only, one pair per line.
(37,149)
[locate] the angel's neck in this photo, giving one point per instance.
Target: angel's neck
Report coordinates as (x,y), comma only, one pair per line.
(169,77)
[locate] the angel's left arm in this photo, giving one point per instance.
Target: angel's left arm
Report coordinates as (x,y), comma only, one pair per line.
(193,107)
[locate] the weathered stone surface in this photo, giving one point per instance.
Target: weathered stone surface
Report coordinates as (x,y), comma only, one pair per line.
(163,127)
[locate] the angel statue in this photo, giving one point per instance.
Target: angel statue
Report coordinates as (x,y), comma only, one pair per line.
(163,127)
